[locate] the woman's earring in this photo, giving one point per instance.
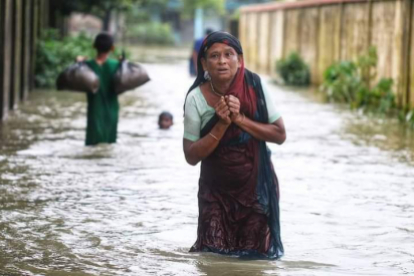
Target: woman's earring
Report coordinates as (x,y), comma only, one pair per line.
(207,76)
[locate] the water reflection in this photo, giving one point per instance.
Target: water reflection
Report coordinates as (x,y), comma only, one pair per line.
(131,208)
(384,133)
(376,130)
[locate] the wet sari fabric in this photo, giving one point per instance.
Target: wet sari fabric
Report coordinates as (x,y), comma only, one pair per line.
(238,190)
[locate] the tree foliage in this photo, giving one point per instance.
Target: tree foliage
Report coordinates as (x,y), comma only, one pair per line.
(189,6)
(100,8)
(104,8)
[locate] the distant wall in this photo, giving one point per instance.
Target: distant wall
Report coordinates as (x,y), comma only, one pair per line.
(20,24)
(89,24)
(325,31)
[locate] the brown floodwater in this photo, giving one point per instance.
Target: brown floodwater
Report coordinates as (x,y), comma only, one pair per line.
(347,186)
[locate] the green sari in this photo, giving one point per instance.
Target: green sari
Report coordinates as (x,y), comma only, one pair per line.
(103,107)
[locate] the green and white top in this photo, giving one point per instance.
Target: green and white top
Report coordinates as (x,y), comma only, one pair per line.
(198,112)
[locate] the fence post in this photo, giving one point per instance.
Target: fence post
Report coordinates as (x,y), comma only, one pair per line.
(5,57)
(338,54)
(406,89)
(16,54)
(369,35)
(33,38)
(315,74)
(25,54)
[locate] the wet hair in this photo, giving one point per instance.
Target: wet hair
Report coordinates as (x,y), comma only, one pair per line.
(103,43)
(165,114)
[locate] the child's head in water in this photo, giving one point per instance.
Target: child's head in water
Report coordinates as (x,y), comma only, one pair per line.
(165,120)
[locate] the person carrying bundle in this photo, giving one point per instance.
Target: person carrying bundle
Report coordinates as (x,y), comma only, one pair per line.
(103,79)
(103,106)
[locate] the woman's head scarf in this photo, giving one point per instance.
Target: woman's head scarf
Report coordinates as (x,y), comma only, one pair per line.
(215,37)
(239,87)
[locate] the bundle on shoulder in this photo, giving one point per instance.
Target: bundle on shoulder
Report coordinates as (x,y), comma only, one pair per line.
(129,76)
(78,77)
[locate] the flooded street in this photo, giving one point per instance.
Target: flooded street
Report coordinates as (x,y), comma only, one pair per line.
(347,190)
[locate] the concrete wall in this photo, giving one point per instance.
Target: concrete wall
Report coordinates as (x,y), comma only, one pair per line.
(325,31)
(20,24)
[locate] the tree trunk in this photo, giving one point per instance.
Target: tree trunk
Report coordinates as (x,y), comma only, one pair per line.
(107,20)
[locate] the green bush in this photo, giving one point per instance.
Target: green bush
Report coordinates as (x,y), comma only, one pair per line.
(293,70)
(55,54)
(379,99)
(342,82)
(152,33)
(349,82)
(407,116)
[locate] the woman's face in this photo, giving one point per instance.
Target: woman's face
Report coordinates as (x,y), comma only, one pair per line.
(221,61)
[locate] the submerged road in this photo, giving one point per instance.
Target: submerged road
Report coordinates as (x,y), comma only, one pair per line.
(347,185)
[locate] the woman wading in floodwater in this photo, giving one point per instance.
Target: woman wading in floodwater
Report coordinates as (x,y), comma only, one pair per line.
(229,117)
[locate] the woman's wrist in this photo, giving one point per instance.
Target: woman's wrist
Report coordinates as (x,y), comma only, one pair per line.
(223,123)
(213,136)
(240,119)
(220,128)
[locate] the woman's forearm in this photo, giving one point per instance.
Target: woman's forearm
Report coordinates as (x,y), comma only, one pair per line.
(197,151)
(274,133)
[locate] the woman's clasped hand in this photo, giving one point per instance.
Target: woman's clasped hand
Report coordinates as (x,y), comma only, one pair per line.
(228,109)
